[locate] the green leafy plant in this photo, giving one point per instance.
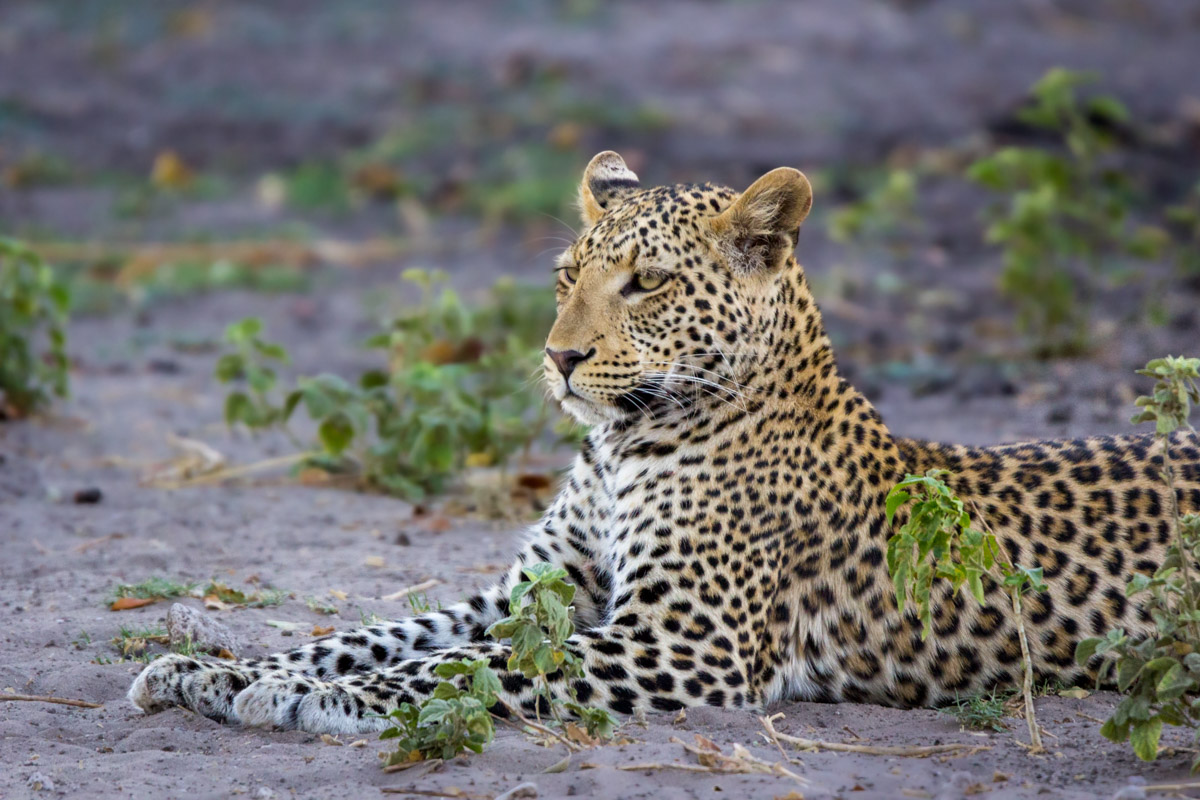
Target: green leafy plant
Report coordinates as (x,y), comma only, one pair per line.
(539,628)
(251,362)
(1065,212)
(1159,671)
(454,719)
(455,390)
(938,541)
(33,337)
(457,718)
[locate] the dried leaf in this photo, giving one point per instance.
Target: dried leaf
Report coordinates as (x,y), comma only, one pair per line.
(169,171)
(339,594)
(126,603)
(225,654)
(580,735)
(213,603)
(319,630)
(374,561)
(1077,693)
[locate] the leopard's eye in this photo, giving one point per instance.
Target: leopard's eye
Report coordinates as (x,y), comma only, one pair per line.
(570,273)
(648,283)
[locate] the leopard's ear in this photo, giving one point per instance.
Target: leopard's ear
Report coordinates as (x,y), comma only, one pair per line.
(605,181)
(759,230)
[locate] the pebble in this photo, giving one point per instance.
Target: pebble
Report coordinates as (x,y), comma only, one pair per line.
(40,783)
(205,632)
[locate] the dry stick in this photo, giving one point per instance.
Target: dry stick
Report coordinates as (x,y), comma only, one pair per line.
(909,751)
(742,761)
(417,587)
(1169,478)
(233,472)
(542,729)
(62,701)
(1170,787)
(436,793)
(1035,734)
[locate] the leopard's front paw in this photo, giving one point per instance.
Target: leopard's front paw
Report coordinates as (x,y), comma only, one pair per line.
(302,703)
(160,685)
(204,687)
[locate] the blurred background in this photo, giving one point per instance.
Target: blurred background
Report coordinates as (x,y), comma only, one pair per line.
(1006,223)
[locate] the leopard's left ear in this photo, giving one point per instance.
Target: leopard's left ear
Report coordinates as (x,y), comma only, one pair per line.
(759,230)
(605,181)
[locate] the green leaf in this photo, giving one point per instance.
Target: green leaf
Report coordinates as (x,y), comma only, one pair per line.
(1144,737)
(1086,649)
(895,499)
(336,433)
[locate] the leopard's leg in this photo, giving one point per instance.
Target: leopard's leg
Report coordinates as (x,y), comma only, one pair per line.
(620,674)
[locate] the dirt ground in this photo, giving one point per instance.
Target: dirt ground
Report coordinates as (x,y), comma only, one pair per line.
(747,86)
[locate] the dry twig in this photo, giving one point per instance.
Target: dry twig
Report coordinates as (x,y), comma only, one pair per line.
(713,761)
(414,589)
(455,793)
(62,701)
(1171,787)
(906,751)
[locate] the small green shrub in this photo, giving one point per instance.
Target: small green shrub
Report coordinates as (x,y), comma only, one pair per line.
(1160,672)
(539,629)
(457,718)
(251,361)
(33,336)
(1064,213)
(938,541)
(456,389)
(452,720)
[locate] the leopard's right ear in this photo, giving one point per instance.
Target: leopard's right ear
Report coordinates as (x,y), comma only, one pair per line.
(605,181)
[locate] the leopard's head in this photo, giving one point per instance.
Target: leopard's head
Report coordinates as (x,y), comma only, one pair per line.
(671,294)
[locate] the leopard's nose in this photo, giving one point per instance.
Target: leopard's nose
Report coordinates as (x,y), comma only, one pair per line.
(567,360)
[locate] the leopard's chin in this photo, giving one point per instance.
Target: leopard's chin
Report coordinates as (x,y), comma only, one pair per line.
(586,412)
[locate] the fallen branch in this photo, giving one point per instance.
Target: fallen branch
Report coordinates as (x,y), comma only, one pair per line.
(457,794)
(714,762)
(1170,787)
(225,474)
(62,701)
(418,587)
(542,729)
(904,751)
(429,765)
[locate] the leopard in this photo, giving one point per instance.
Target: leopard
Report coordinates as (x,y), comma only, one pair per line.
(724,520)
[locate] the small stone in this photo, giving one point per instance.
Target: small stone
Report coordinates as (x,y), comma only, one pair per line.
(1130,793)
(89,496)
(40,783)
(204,632)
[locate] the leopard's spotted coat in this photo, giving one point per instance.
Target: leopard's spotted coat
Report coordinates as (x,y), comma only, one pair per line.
(724,520)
